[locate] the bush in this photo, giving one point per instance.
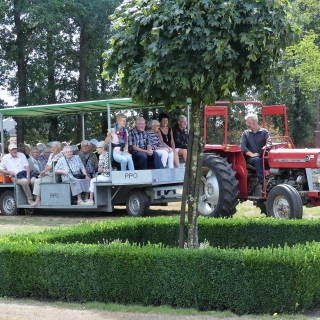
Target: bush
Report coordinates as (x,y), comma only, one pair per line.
(80,264)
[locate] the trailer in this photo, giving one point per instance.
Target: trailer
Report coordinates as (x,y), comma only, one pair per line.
(137,189)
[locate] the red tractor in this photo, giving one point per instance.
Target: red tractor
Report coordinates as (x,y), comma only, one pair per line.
(292,178)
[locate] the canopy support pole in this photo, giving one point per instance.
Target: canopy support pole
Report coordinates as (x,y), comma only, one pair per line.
(110,146)
(82,126)
(2,135)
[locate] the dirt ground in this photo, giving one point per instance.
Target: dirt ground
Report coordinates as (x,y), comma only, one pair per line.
(40,220)
(35,310)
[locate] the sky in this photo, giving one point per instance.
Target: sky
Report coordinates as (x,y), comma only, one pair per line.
(4,95)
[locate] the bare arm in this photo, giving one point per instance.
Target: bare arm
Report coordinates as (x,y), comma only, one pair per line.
(47,168)
(10,173)
(28,172)
(108,137)
(173,146)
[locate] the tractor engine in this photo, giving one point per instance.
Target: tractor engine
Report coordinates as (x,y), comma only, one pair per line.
(295,177)
(299,168)
(274,176)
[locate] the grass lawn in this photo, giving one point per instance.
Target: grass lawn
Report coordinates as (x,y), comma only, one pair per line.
(41,220)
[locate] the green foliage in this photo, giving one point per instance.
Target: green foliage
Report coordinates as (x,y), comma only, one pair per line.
(306,63)
(79,264)
(51,32)
(294,80)
(170,50)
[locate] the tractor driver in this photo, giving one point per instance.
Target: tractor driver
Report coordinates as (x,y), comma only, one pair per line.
(252,142)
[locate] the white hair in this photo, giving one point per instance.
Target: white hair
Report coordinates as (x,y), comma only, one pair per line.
(152,123)
(182,117)
(253,116)
(66,148)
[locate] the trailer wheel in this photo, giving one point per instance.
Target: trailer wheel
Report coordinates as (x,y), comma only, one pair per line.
(8,204)
(284,202)
(218,190)
(137,203)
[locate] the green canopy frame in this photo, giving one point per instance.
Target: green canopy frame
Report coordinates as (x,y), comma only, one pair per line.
(73,108)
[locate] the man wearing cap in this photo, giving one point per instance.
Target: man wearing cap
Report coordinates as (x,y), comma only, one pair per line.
(16,165)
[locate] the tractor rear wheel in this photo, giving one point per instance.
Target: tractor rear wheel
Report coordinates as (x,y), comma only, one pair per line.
(218,190)
(284,202)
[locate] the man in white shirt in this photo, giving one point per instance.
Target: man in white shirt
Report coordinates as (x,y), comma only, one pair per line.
(16,165)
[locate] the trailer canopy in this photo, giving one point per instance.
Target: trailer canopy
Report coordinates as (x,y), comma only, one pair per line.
(73,108)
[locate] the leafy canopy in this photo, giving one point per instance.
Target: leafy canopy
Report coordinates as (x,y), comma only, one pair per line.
(306,58)
(201,49)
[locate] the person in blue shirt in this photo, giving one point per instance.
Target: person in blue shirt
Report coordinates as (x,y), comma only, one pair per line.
(252,142)
(140,147)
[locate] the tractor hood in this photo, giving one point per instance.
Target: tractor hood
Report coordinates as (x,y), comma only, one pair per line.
(294,158)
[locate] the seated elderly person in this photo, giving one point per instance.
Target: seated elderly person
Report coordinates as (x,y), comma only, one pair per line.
(165,153)
(88,158)
(16,165)
(75,149)
(44,156)
(46,175)
(41,146)
(181,137)
(35,165)
(140,148)
(69,166)
(103,170)
(24,148)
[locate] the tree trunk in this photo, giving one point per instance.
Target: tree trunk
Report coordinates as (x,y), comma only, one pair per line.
(297,103)
(51,99)
(145,114)
(318,120)
(84,40)
(103,81)
(21,67)
(193,173)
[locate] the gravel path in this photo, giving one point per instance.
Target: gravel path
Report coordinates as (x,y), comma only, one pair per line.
(35,310)
(39,310)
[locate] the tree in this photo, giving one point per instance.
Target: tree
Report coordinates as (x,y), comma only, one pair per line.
(55,47)
(166,51)
(295,79)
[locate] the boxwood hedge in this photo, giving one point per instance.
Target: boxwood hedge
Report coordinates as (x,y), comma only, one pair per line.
(252,265)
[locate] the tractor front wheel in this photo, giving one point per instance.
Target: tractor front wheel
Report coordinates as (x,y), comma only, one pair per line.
(284,202)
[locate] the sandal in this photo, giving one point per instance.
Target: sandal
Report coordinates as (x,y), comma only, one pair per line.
(36,203)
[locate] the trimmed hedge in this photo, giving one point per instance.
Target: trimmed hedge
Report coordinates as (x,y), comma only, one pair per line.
(54,264)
